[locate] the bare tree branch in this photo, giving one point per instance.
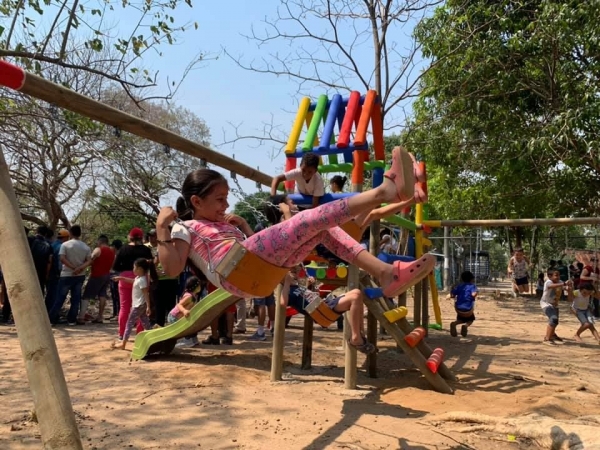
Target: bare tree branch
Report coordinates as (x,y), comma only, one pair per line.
(327,41)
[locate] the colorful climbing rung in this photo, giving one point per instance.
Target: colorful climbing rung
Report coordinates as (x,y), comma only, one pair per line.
(415,336)
(436,358)
(394,315)
(373,293)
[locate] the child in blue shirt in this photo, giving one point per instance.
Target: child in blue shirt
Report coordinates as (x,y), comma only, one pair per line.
(464,303)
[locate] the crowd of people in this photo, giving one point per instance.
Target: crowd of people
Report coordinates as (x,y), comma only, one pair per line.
(131,279)
(117,275)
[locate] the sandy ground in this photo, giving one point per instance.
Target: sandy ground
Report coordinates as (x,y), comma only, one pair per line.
(513,392)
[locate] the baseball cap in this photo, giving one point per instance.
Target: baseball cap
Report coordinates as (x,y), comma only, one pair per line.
(136,233)
(62,234)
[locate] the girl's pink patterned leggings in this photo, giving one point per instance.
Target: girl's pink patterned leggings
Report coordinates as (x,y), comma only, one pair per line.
(288,243)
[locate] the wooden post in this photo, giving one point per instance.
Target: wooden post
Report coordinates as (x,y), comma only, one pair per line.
(42,363)
(417,304)
(425,304)
(402,299)
(307,342)
(372,329)
(278,337)
(372,325)
(350,357)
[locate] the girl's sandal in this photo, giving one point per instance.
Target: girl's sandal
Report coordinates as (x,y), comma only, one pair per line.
(402,174)
(366,347)
(407,274)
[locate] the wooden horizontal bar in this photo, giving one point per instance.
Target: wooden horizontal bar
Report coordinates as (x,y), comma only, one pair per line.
(63,97)
(562,221)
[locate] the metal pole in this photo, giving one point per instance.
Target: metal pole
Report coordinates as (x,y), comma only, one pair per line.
(565,221)
(447,281)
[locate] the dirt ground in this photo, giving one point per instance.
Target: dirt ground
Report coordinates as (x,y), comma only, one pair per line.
(512,391)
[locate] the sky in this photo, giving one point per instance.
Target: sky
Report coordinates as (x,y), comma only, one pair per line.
(221,92)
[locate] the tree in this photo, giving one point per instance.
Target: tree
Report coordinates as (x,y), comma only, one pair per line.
(47,150)
(329,41)
(508,122)
(137,173)
(37,33)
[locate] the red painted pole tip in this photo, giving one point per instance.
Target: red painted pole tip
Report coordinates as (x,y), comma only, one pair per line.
(11,76)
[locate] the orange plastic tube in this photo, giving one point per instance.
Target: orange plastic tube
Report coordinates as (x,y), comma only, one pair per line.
(434,361)
(365,117)
(415,336)
(377,128)
(351,113)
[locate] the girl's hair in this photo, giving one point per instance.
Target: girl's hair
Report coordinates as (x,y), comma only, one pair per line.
(587,287)
(200,183)
(541,275)
(467,277)
(147,265)
(339,181)
(192,284)
(272,211)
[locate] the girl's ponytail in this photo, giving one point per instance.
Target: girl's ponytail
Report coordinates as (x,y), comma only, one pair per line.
(183,210)
(153,274)
(149,268)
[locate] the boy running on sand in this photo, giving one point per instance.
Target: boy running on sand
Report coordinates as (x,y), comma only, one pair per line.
(464,303)
(553,288)
(582,307)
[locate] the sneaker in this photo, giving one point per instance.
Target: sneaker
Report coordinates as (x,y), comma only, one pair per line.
(549,342)
(258,337)
(195,341)
(71,324)
(464,330)
(211,341)
(227,341)
(184,343)
(453,332)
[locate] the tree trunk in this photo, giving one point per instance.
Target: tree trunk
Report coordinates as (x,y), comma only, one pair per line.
(44,371)
(518,237)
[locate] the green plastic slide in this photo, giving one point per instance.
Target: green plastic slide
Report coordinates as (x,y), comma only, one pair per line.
(163,340)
